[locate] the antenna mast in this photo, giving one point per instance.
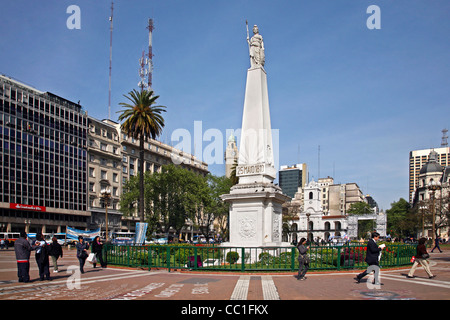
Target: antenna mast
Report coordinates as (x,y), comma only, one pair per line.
(444,142)
(146,63)
(110,58)
(150,53)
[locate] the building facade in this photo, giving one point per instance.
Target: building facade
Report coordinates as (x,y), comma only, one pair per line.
(292,177)
(55,160)
(417,159)
(319,209)
(432,196)
(231,155)
(43,171)
(104,173)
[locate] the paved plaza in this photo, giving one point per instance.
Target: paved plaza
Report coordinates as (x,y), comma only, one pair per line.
(115,283)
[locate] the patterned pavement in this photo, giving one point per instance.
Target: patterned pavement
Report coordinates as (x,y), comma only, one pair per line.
(159,285)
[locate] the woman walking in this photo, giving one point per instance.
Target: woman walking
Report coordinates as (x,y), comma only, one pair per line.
(303,260)
(421,257)
(82,253)
(97,248)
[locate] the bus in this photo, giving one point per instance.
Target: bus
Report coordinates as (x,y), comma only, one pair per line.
(10,236)
(123,238)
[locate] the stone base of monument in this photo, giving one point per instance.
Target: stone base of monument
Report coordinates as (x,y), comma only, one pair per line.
(255,215)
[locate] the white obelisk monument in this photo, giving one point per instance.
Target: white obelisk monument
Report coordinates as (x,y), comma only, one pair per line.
(255,202)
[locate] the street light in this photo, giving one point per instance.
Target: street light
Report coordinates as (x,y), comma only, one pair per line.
(434,186)
(105,195)
(307,225)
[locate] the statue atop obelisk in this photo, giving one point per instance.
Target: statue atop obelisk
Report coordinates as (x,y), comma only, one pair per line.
(255,210)
(256,48)
(256,149)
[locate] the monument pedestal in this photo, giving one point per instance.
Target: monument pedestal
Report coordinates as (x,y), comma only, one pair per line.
(255,215)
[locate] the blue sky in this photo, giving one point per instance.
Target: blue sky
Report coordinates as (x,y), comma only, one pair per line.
(366,97)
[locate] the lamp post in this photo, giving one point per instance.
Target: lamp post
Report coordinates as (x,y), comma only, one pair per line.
(307,225)
(105,195)
(433,186)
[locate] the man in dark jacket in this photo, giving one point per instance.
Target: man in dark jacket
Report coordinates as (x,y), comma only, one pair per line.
(42,254)
(55,252)
(372,255)
(23,249)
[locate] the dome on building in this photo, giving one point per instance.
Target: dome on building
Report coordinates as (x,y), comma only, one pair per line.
(432,165)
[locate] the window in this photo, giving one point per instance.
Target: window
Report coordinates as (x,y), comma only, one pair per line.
(115,177)
(91,172)
(103,174)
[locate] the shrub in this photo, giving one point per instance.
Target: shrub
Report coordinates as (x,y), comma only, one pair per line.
(232,257)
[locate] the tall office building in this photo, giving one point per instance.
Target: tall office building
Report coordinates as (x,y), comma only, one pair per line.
(417,159)
(293,177)
(43,150)
(55,160)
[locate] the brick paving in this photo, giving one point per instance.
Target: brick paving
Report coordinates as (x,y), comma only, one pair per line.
(159,285)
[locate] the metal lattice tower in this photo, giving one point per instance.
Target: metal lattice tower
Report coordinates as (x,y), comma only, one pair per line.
(444,142)
(150,53)
(110,57)
(146,63)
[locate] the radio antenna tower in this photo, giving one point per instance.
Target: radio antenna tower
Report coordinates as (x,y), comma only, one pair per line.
(444,142)
(150,53)
(110,57)
(146,63)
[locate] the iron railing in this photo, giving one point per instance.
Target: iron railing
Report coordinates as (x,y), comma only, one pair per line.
(220,258)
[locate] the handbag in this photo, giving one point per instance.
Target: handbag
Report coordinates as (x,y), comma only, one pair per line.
(306,259)
(92,258)
(83,255)
(425,256)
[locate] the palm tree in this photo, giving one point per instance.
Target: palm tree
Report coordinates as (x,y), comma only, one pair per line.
(142,120)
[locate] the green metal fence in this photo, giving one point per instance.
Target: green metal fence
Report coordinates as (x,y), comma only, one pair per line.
(220,258)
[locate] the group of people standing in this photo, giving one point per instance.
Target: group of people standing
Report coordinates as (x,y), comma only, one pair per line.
(373,254)
(44,250)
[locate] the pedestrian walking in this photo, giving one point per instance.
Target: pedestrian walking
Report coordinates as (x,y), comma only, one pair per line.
(82,254)
(421,258)
(436,244)
(303,259)
(97,249)
(55,252)
(23,250)
(42,254)
(372,256)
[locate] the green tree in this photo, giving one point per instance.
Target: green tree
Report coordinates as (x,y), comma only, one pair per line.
(217,209)
(142,120)
(172,196)
(360,208)
(401,219)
